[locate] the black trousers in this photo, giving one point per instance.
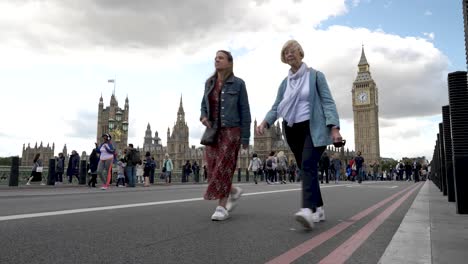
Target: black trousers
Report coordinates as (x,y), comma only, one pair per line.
(307,158)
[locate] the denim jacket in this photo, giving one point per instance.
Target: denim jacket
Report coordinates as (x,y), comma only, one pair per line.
(234,109)
(323,113)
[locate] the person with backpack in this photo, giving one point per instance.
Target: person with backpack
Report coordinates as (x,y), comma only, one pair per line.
(310,122)
(106,159)
(132,157)
(255,166)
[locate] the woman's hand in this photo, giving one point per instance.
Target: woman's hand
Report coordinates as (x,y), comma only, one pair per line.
(261,128)
(206,122)
(336,137)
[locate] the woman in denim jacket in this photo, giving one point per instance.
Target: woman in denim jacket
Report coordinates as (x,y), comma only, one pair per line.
(310,123)
(225,105)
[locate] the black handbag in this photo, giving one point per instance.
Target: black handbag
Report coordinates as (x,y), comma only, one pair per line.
(210,136)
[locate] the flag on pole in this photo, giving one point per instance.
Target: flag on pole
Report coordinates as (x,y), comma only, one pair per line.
(111,81)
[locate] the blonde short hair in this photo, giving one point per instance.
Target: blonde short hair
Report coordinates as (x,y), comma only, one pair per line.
(291,44)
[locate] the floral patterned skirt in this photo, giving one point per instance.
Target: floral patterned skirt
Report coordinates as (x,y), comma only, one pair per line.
(221,160)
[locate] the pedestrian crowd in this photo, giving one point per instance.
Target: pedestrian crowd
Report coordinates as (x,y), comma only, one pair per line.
(310,123)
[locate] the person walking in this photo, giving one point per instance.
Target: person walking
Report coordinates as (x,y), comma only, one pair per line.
(271,168)
(255,166)
(310,122)
(225,105)
(152,171)
(359,161)
(73,168)
(205,174)
(139,172)
(36,171)
(106,159)
(121,173)
(324,167)
(59,169)
(93,165)
(196,171)
(282,166)
(168,167)
(148,166)
(336,162)
(132,157)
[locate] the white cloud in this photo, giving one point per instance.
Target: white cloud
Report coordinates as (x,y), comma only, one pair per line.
(56,72)
(430,35)
(428,13)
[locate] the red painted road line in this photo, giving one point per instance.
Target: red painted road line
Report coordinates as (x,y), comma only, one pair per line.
(298,251)
(345,250)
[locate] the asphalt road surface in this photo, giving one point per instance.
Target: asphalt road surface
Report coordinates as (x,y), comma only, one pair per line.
(172,224)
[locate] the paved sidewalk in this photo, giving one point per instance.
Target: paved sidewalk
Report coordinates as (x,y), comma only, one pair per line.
(431,232)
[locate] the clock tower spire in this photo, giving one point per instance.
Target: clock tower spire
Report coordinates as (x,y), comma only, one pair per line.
(366,112)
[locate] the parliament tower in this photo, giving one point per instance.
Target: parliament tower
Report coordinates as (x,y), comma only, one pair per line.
(366,112)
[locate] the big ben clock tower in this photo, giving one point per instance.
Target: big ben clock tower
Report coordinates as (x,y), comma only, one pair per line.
(366,113)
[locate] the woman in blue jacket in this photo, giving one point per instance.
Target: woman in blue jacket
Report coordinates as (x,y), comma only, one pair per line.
(310,122)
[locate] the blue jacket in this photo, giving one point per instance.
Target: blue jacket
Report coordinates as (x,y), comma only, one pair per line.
(234,108)
(323,113)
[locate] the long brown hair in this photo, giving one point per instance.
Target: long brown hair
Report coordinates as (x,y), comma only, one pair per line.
(229,71)
(36,157)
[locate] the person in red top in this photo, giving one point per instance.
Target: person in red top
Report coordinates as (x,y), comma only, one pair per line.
(225,105)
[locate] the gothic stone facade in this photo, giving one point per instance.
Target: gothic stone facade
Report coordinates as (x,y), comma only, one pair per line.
(179,150)
(366,113)
(113,120)
(28,154)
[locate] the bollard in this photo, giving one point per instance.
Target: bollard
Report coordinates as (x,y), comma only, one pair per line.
(247,175)
(51,173)
(83,172)
(14,172)
(239,174)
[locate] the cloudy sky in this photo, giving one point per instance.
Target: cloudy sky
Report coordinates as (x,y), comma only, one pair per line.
(57,55)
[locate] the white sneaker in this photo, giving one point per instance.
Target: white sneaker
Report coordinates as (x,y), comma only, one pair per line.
(232,200)
(316,217)
(28,183)
(220,214)
(321,213)
(104,187)
(304,216)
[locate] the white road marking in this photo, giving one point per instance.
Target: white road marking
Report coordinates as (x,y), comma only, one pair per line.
(103,208)
(373,186)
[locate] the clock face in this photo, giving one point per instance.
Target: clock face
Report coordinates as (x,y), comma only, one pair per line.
(362,97)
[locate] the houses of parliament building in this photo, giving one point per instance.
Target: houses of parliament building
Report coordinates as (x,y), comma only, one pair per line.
(115,120)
